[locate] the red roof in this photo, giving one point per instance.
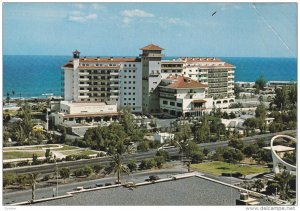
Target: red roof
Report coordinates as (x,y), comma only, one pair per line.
(152,47)
(199,101)
(180,82)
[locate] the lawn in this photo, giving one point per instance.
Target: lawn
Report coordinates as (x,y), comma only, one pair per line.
(30,147)
(66,147)
(217,168)
(16,154)
(79,152)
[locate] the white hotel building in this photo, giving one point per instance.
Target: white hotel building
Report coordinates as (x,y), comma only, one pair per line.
(141,83)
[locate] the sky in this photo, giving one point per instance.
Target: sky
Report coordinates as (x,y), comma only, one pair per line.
(121,29)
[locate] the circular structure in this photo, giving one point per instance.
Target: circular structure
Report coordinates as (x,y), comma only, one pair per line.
(278,160)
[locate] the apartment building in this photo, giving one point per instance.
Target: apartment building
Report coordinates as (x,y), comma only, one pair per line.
(217,74)
(110,80)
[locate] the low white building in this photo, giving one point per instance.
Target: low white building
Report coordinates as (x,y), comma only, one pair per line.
(85,112)
(163,137)
(182,96)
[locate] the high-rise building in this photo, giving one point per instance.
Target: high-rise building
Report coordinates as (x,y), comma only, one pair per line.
(135,82)
(110,80)
(151,76)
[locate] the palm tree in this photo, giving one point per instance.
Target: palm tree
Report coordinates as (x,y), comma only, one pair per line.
(33,180)
(117,166)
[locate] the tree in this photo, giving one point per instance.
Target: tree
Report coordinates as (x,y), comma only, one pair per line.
(260,83)
(272,187)
(283,181)
(250,150)
(236,143)
(293,94)
(184,133)
(202,131)
(258,185)
(117,166)
(143,146)
(32,178)
(64,173)
(132,166)
(281,98)
(237,90)
(34,159)
(290,158)
(127,120)
(261,111)
(159,160)
(48,154)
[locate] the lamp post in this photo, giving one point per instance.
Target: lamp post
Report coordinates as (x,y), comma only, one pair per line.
(56,178)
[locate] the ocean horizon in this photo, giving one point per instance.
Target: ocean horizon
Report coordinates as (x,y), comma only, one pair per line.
(34,75)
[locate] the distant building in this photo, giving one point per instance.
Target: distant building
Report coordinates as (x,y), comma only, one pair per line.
(163,137)
(85,112)
(280,83)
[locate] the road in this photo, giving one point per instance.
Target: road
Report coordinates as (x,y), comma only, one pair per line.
(45,192)
(50,168)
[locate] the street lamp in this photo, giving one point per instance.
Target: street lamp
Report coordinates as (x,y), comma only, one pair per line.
(56,178)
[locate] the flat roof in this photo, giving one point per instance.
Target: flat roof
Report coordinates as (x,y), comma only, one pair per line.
(189,191)
(79,104)
(280,148)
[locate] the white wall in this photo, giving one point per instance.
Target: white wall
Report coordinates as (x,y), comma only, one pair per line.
(68,84)
(77,108)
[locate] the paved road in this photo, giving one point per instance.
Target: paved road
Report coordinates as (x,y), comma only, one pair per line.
(25,195)
(50,168)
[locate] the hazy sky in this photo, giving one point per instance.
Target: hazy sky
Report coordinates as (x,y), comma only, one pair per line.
(183,29)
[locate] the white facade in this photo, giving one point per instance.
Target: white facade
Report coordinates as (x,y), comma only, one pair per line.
(130,77)
(163,137)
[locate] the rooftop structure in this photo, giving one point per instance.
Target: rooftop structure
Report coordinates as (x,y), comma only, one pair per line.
(188,191)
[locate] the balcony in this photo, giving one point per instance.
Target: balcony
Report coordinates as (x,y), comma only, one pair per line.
(231,71)
(84,79)
(114,74)
(198,108)
(114,85)
(83,73)
(114,79)
(83,97)
(231,76)
(83,85)
(84,91)
(115,91)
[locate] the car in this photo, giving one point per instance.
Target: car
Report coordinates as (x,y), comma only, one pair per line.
(79,188)
(99,185)
(107,184)
(153,177)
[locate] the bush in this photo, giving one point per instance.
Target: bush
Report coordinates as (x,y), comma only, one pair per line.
(8,179)
(163,153)
(197,157)
(79,172)
(132,166)
(87,170)
(143,146)
(272,187)
(159,160)
(147,164)
(97,168)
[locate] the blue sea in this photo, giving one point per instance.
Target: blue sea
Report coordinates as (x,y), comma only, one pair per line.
(33,76)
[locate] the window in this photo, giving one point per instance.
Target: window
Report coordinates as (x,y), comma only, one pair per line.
(172,103)
(133,76)
(179,104)
(165,102)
